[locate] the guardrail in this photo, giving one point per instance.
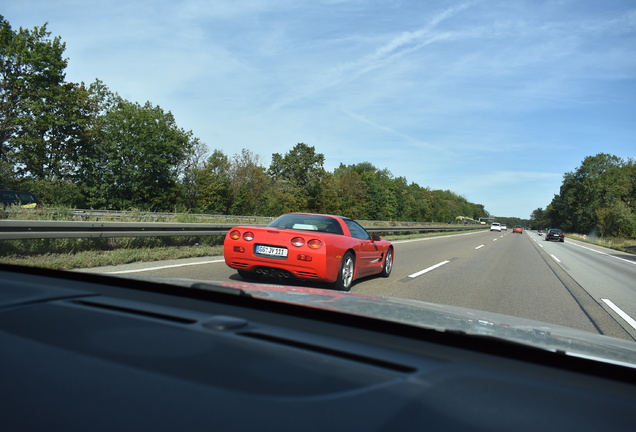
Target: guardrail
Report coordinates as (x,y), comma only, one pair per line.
(155,216)
(37,229)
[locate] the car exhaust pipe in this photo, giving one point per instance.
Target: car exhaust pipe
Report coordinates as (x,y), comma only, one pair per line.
(274,273)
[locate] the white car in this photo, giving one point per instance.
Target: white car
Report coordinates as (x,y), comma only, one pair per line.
(495,226)
(504,228)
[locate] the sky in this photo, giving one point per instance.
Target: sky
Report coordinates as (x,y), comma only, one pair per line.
(494,100)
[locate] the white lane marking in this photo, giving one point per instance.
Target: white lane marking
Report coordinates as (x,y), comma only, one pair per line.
(434,238)
(421,272)
(620,312)
(555,258)
(164,267)
(479,247)
(494,239)
(603,253)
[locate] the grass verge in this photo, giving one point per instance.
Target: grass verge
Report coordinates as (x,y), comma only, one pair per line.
(619,244)
(98,258)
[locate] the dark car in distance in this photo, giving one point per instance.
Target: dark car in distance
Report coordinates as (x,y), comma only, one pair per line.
(555,234)
(19,198)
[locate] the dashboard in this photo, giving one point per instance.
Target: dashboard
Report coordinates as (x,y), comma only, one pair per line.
(90,352)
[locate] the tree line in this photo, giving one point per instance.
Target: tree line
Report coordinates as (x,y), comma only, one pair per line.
(598,198)
(297,181)
(84,146)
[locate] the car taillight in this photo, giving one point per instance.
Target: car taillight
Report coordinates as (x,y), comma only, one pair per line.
(235,234)
(298,241)
(248,236)
(314,244)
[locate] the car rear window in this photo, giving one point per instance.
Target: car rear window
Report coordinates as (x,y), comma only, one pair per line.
(319,223)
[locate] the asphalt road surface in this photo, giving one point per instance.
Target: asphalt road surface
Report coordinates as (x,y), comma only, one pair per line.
(572,284)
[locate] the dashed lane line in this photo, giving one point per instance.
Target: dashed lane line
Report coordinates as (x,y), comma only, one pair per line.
(426,270)
(621,313)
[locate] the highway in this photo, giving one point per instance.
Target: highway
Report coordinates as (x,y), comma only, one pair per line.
(573,284)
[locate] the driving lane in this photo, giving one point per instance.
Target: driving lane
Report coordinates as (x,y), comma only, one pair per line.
(491,271)
(498,272)
(607,275)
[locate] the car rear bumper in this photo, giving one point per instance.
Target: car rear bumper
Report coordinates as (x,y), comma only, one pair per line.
(271,269)
(297,265)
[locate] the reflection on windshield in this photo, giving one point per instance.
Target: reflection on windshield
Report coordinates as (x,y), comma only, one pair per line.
(436,125)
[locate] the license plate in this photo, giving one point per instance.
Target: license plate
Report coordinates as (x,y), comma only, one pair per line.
(270,250)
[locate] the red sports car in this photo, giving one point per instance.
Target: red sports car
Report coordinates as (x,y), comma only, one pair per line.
(517,229)
(307,246)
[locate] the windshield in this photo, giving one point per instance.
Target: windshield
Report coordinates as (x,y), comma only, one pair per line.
(168,147)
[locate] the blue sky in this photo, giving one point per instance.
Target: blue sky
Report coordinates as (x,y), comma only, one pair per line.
(494,100)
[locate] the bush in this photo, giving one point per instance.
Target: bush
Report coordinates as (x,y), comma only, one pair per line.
(55,193)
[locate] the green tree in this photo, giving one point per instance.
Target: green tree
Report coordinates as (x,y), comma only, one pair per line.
(381,188)
(598,195)
(479,211)
(616,220)
(249,184)
(421,209)
(539,219)
(329,200)
(298,176)
(48,144)
(447,205)
(352,192)
(213,184)
(190,181)
(134,157)
(35,103)
(404,201)
(373,191)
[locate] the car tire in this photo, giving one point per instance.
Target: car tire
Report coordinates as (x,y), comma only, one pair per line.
(387,266)
(345,273)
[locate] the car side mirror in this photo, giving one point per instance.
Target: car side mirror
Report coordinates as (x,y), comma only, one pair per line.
(376,237)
